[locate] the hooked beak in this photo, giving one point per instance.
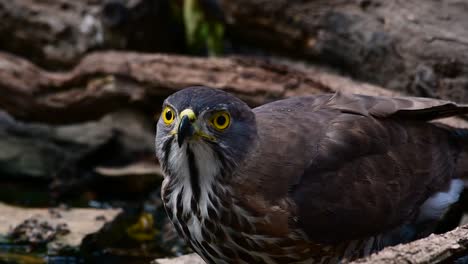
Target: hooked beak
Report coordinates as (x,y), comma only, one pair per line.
(185,129)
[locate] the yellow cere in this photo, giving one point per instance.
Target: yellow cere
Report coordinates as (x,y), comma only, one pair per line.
(168,115)
(221,120)
(188,112)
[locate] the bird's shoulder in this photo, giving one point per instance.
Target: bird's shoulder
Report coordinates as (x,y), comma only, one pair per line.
(339,157)
(413,108)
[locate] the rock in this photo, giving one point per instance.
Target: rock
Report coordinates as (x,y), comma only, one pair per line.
(58,228)
(130,148)
(136,178)
(187,259)
(35,150)
(140,168)
(35,231)
(41,151)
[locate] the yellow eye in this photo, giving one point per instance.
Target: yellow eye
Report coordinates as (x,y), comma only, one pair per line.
(221,120)
(168,115)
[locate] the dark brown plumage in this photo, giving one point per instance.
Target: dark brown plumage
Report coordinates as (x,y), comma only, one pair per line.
(318,178)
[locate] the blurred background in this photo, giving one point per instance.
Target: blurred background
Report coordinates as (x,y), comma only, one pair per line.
(82,82)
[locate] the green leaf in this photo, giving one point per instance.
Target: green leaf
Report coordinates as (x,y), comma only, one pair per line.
(200,32)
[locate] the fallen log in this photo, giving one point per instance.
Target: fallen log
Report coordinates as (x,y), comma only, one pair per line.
(418,47)
(57,33)
(107,81)
(443,248)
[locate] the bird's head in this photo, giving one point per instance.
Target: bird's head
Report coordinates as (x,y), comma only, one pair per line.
(203,129)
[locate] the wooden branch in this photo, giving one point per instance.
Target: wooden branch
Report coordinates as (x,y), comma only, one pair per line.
(103,82)
(418,47)
(107,81)
(433,249)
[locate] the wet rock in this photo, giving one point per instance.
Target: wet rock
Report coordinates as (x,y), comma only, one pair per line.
(35,231)
(187,259)
(42,226)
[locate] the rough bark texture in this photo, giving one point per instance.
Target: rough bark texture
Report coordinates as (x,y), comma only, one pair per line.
(103,82)
(107,81)
(420,47)
(57,33)
(433,249)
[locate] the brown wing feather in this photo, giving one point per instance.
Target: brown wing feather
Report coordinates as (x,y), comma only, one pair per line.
(406,107)
(354,166)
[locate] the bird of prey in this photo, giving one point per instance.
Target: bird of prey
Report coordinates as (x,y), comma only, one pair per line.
(325,178)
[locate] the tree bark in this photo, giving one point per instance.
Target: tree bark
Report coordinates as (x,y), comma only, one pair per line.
(418,47)
(107,81)
(57,33)
(433,249)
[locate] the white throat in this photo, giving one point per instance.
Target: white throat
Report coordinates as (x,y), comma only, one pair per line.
(208,169)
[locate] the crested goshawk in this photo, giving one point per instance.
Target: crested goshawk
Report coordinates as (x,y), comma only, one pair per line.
(324,178)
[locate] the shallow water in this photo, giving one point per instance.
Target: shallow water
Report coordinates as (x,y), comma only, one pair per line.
(128,245)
